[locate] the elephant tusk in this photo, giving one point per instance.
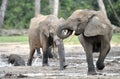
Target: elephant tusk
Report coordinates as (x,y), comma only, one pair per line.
(72,35)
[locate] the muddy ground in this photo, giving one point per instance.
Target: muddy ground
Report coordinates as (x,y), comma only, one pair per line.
(75,58)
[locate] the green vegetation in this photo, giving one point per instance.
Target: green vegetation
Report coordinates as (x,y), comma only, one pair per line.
(24,39)
(19,12)
(7,39)
(116,38)
(74,40)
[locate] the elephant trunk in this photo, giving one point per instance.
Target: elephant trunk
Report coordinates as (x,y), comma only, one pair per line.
(64,31)
(61,53)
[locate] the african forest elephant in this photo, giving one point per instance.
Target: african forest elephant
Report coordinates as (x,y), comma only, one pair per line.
(42,34)
(94,31)
(16,60)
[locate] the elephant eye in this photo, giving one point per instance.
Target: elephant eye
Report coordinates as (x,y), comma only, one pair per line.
(79,19)
(78,25)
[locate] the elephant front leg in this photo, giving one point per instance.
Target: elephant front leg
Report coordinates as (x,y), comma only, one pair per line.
(89,55)
(30,56)
(105,48)
(89,58)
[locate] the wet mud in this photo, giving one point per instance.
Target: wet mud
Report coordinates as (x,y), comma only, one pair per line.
(75,59)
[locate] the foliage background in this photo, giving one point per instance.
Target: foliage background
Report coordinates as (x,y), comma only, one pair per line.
(19,12)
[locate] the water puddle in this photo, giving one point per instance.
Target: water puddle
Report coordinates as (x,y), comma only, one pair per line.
(56,74)
(3,64)
(77,65)
(111,74)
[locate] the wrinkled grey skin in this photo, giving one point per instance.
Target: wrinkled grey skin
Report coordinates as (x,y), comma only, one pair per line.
(42,34)
(16,60)
(94,32)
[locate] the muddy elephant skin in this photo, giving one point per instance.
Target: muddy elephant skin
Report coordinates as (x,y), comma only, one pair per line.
(42,34)
(94,31)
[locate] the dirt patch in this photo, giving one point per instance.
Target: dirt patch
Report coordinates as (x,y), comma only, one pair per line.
(75,58)
(11,32)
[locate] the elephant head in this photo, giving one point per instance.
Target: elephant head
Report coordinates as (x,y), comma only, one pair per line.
(89,23)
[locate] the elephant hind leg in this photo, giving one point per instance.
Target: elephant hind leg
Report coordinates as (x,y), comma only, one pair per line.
(104,51)
(45,56)
(38,51)
(50,53)
(32,50)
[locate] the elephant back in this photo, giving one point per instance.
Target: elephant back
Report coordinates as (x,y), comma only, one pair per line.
(36,20)
(52,20)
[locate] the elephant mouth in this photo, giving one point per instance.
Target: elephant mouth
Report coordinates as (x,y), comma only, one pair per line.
(77,33)
(66,32)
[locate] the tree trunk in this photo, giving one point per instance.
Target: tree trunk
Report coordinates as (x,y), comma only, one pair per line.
(101,6)
(54,6)
(37,7)
(116,16)
(2,11)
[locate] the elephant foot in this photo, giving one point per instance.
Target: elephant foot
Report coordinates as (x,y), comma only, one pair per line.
(62,68)
(29,63)
(65,66)
(45,64)
(92,73)
(50,56)
(100,66)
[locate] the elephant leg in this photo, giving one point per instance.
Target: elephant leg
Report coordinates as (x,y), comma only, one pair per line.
(55,50)
(38,51)
(32,50)
(45,55)
(49,53)
(89,55)
(105,48)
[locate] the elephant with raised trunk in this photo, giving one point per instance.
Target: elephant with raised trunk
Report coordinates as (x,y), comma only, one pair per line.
(42,34)
(94,31)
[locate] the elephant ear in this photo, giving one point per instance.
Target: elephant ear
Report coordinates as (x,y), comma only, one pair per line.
(95,27)
(44,29)
(46,33)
